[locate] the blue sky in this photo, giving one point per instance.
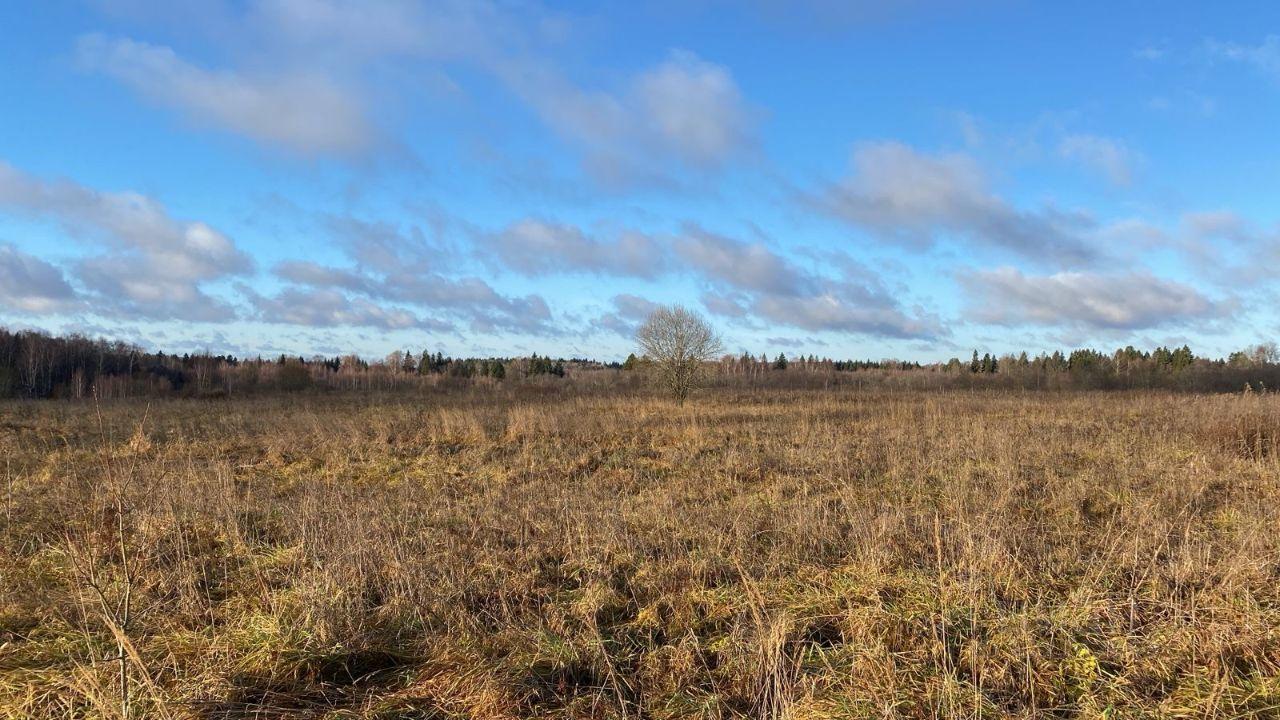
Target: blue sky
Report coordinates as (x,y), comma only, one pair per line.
(910,180)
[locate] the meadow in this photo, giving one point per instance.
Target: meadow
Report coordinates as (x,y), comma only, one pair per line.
(491,552)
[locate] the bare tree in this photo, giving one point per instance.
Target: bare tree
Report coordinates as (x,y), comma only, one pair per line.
(1265,353)
(678,341)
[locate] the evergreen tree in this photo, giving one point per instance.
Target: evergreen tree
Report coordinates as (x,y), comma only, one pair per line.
(780,363)
(1181,358)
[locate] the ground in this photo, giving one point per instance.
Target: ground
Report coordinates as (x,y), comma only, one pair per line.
(506,553)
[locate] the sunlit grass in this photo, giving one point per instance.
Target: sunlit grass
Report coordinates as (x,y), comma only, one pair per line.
(801,554)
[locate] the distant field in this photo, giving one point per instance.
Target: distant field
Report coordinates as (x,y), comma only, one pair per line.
(777,554)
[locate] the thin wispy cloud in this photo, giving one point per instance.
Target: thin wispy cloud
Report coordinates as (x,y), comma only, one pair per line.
(1263,56)
(1109,157)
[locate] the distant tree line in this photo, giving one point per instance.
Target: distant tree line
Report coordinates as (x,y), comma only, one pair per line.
(750,365)
(36,365)
(1129,368)
(1126,368)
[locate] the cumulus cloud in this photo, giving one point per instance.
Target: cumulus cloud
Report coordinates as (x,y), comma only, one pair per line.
(694,108)
(749,266)
(1104,155)
(314,65)
(29,284)
(299,74)
(304,112)
(749,279)
(1130,301)
(535,247)
(683,113)
(909,197)
(155,264)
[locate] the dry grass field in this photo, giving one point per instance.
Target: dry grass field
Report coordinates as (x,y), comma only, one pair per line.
(778,554)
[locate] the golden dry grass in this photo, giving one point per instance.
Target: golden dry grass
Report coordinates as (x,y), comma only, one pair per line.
(782,554)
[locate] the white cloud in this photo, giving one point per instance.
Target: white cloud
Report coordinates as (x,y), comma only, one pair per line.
(1129,301)
(304,112)
(627,314)
(360,30)
(694,109)
(469,298)
(1227,249)
(909,197)
(751,283)
(154,265)
(305,272)
(330,308)
(752,267)
(726,304)
(685,113)
(301,74)
(397,266)
(751,280)
(535,247)
(834,311)
(29,284)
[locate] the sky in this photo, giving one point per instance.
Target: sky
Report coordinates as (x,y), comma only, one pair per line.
(912,180)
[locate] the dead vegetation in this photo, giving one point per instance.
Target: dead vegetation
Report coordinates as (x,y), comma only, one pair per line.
(780,554)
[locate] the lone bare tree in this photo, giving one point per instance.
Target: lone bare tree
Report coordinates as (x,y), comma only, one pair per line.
(678,341)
